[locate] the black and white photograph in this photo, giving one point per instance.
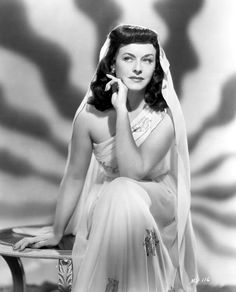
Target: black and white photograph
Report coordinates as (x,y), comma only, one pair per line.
(117,146)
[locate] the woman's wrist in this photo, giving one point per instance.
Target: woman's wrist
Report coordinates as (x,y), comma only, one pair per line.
(57,233)
(121,110)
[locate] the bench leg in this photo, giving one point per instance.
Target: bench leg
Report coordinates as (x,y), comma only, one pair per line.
(17,271)
(65,271)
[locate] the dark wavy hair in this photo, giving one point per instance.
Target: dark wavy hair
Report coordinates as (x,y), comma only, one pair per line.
(119,36)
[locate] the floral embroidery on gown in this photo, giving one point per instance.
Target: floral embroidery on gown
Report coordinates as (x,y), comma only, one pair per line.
(125,248)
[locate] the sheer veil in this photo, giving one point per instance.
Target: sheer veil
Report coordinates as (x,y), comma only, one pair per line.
(180,168)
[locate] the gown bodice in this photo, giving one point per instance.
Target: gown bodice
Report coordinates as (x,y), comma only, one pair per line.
(141,127)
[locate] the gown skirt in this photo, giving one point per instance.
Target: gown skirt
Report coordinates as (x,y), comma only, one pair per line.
(129,235)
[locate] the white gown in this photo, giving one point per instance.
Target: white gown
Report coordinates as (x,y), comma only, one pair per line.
(128,241)
(136,236)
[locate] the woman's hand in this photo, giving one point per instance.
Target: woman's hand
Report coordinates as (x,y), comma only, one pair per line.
(119,97)
(47,239)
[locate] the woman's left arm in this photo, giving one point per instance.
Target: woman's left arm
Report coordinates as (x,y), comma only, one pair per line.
(136,162)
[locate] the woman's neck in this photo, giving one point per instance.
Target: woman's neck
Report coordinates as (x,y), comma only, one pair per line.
(135,100)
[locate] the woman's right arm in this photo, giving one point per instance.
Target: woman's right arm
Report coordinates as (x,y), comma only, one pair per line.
(75,173)
(80,151)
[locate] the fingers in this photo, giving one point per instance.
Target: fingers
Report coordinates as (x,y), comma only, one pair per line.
(109,84)
(114,81)
(111,76)
(22,244)
(36,242)
(25,242)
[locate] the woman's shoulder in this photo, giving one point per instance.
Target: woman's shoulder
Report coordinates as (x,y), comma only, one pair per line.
(89,113)
(97,123)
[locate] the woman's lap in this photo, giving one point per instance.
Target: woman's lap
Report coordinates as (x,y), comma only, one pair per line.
(124,242)
(159,198)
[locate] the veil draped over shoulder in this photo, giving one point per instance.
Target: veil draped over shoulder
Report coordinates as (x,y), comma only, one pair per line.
(185,250)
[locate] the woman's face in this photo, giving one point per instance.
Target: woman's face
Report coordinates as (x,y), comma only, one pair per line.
(135,64)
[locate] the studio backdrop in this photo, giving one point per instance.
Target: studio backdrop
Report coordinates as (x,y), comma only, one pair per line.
(48,51)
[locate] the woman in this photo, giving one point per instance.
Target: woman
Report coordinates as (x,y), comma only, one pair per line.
(126,189)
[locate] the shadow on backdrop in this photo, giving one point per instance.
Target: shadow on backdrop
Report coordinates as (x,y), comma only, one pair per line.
(224,114)
(216,193)
(210,240)
(17,166)
(29,124)
(105,14)
(179,48)
(52,61)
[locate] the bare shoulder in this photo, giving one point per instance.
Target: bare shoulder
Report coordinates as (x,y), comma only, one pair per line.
(82,122)
(80,118)
(99,124)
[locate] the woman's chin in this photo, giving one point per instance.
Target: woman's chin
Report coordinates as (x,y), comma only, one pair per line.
(136,87)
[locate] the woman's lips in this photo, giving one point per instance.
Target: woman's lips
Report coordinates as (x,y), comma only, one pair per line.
(136,78)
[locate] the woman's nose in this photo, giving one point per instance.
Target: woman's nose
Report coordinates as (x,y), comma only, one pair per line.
(137,68)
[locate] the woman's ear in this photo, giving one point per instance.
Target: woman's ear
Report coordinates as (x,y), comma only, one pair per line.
(113,69)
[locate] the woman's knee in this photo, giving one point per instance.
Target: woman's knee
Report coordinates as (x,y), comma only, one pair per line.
(122,181)
(126,190)
(125,199)
(119,186)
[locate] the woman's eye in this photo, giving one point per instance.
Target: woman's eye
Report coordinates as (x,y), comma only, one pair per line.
(148,61)
(127,58)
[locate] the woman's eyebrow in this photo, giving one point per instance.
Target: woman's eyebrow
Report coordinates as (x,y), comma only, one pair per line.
(132,55)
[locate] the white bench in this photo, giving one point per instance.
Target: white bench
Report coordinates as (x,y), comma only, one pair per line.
(13,258)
